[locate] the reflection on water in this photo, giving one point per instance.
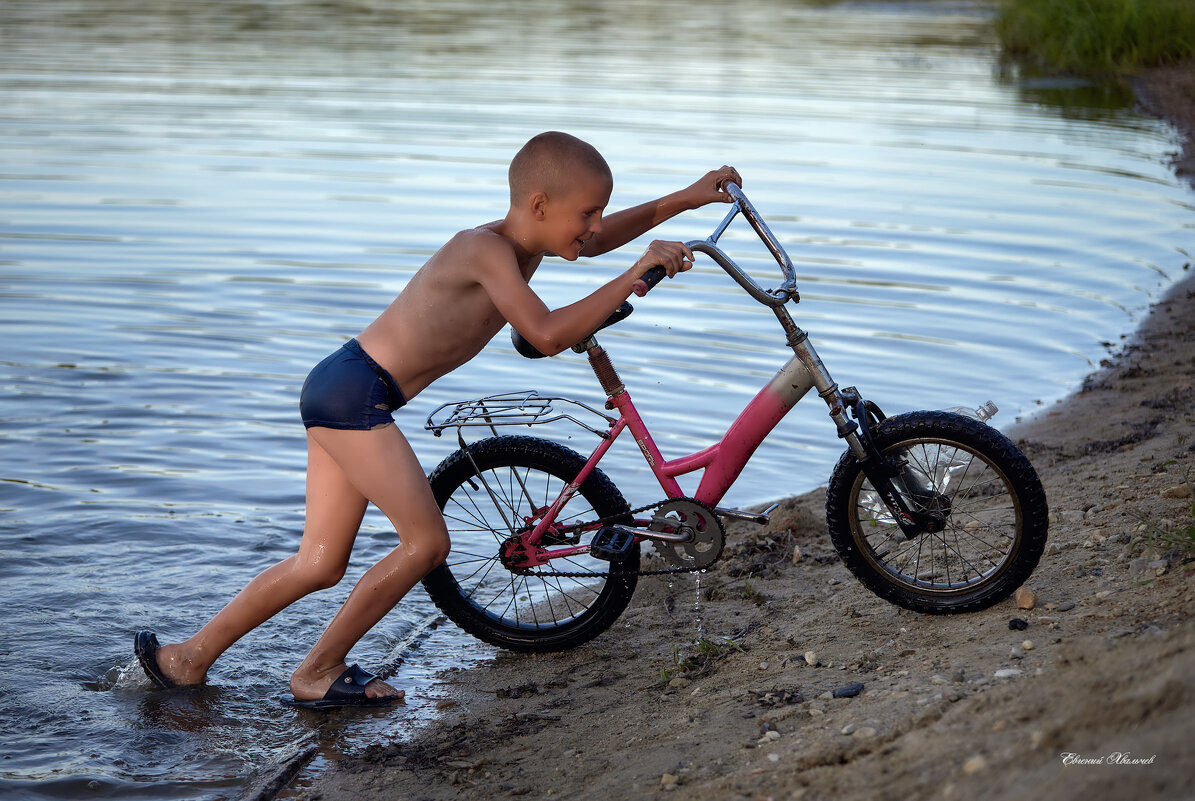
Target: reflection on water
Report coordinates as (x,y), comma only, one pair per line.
(201,199)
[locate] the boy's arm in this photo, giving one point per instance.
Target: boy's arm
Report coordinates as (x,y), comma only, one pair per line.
(623,226)
(552,331)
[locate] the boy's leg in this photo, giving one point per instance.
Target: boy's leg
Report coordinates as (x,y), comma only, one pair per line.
(334,512)
(381,465)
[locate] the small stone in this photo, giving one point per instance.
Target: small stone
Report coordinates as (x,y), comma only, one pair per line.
(811,658)
(864,733)
(937,680)
(679,683)
(974,764)
(1158,566)
(773,757)
(764,665)
(1027,645)
(848,690)
(1139,566)
(1026,598)
(1066,607)
(958,676)
(796,554)
(1177,492)
(1017,653)
(849,729)
(1016,624)
(1007,673)
(669,781)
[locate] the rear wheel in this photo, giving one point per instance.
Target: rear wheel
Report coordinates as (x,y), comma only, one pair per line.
(986,492)
(498,489)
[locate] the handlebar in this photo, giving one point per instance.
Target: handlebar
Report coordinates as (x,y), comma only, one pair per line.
(769,297)
(649,279)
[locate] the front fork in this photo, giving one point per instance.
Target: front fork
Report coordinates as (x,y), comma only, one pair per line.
(888,476)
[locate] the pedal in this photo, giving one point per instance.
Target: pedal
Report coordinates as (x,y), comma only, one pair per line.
(610,543)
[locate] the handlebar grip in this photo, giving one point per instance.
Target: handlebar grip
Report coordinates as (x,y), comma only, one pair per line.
(650,278)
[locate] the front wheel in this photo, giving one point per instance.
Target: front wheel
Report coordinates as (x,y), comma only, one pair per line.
(971,476)
(498,489)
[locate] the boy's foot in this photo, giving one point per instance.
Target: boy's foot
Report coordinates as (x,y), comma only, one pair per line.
(146,646)
(353,687)
(157,666)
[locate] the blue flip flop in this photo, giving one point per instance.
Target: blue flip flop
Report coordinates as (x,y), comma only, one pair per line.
(347,690)
(145,645)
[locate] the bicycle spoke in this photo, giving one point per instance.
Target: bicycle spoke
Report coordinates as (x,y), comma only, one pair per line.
(981,528)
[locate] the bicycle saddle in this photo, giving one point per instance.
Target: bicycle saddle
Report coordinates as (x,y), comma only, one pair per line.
(525,348)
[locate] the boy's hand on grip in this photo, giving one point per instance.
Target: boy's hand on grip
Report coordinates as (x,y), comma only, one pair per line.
(661,258)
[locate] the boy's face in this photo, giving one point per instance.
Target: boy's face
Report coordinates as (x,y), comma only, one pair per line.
(575,216)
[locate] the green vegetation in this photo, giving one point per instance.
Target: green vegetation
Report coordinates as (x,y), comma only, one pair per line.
(1098,36)
(700,664)
(1176,540)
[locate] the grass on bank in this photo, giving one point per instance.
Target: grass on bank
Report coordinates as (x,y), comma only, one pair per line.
(1098,36)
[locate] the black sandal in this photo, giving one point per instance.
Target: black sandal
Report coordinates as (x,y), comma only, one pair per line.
(348,690)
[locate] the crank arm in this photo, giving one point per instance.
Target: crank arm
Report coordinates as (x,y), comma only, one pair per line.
(648,534)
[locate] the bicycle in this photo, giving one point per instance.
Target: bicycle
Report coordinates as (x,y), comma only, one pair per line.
(934,511)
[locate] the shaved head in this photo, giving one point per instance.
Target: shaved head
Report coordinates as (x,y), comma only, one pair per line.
(550,163)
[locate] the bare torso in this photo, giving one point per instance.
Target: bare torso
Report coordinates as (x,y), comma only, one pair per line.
(443,317)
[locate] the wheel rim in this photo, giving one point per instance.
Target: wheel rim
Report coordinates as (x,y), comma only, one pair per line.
(982,529)
(487,510)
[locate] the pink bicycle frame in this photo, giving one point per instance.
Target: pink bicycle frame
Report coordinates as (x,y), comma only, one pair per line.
(722,462)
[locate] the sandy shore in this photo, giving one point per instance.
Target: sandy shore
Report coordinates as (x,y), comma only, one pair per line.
(951,707)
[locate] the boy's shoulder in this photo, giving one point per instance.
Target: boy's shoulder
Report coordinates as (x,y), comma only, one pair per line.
(481,238)
(482,246)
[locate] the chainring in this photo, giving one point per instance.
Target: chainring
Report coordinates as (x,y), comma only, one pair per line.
(687,516)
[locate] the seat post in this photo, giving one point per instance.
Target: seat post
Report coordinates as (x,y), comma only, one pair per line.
(599,360)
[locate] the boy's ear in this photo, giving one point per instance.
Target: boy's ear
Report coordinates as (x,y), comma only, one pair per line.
(538,203)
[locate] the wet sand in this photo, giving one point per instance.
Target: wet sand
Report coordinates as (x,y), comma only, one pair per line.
(952,707)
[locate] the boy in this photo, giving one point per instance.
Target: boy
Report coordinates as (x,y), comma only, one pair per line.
(448,311)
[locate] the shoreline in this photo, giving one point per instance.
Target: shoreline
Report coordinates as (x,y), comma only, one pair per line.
(965,705)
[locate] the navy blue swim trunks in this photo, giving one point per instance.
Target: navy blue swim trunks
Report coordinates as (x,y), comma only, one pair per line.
(349,390)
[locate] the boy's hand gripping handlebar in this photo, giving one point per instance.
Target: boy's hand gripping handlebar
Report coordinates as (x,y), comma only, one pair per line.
(649,279)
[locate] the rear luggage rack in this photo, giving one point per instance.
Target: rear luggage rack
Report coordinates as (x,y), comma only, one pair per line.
(515,409)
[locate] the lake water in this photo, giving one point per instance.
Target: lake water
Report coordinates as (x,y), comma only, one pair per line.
(199,200)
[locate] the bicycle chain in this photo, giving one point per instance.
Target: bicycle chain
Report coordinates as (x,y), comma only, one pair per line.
(601,521)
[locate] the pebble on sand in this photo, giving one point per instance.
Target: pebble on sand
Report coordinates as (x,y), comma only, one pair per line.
(974,764)
(1026,598)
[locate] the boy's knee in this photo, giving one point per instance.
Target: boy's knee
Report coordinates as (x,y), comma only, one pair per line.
(440,549)
(314,576)
(432,549)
